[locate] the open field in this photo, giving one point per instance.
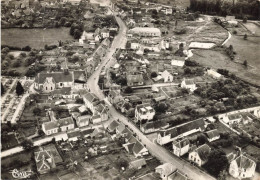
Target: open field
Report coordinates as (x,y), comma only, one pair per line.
(35,38)
(218,59)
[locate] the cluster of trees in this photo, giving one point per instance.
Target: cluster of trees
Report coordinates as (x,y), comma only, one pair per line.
(223,8)
(221,89)
(194,71)
(49,47)
(230,52)
(161,107)
(120,80)
(76,30)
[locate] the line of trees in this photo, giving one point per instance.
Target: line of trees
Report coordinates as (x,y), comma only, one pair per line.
(223,8)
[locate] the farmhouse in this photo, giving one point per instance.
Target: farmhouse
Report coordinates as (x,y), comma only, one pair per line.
(213,74)
(144,111)
(181,147)
(51,127)
(165,170)
(188,84)
(145,31)
(167,77)
(242,167)
(212,135)
(171,134)
(135,80)
(83,120)
(200,155)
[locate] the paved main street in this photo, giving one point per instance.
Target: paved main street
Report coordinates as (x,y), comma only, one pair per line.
(155,149)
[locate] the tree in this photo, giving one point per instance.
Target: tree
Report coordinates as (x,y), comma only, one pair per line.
(161,107)
(217,162)
(36,111)
(244,19)
(16,64)
(128,89)
(245,63)
(79,101)
(153,74)
(27,144)
(2,89)
(245,37)
(19,89)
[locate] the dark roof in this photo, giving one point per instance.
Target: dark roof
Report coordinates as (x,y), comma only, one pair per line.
(190,126)
(66,121)
(80,76)
(138,147)
(91,97)
(177,176)
(101,108)
(234,116)
(112,126)
(203,151)
(212,133)
(181,143)
(57,76)
(129,147)
(244,162)
(87,132)
(154,125)
(62,91)
(74,134)
(138,163)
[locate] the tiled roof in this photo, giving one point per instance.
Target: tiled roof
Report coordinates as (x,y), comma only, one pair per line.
(87,132)
(138,147)
(167,168)
(203,151)
(121,127)
(138,163)
(112,126)
(66,121)
(212,133)
(244,162)
(80,76)
(62,91)
(135,78)
(177,176)
(96,117)
(50,125)
(74,134)
(129,147)
(189,82)
(91,97)
(234,116)
(181,143)
(101,108)
(57,76)
(82,119)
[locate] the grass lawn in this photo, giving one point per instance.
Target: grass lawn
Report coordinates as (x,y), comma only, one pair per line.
(218,59)
(11,142)
(247,50)
(35,38)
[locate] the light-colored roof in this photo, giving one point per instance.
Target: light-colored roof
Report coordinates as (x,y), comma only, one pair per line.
(145,29)
(167,168)
(244,162)
(212,133)
(138,163)
(50,125)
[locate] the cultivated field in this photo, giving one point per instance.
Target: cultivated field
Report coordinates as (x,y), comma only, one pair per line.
(35,38)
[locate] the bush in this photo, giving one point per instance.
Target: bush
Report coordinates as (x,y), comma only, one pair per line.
(128,89)
(153,74)
(234,32)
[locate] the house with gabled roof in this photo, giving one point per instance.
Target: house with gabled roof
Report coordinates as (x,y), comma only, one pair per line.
(188,84)
(173,133)
(165,170)
(138,164)
(200,155)
(51,127)
(167,77)
(112,126)
(180,147)
(96,119)
(139,150)
(82,121)
(178,175)
(145,31)
(153,126)
(232,118)
(134,79)
(114,96)
(144,112)
(104,33)
(212,135)
(44,161)
(101,110)
(242,167)
(90,100)
(66,124)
